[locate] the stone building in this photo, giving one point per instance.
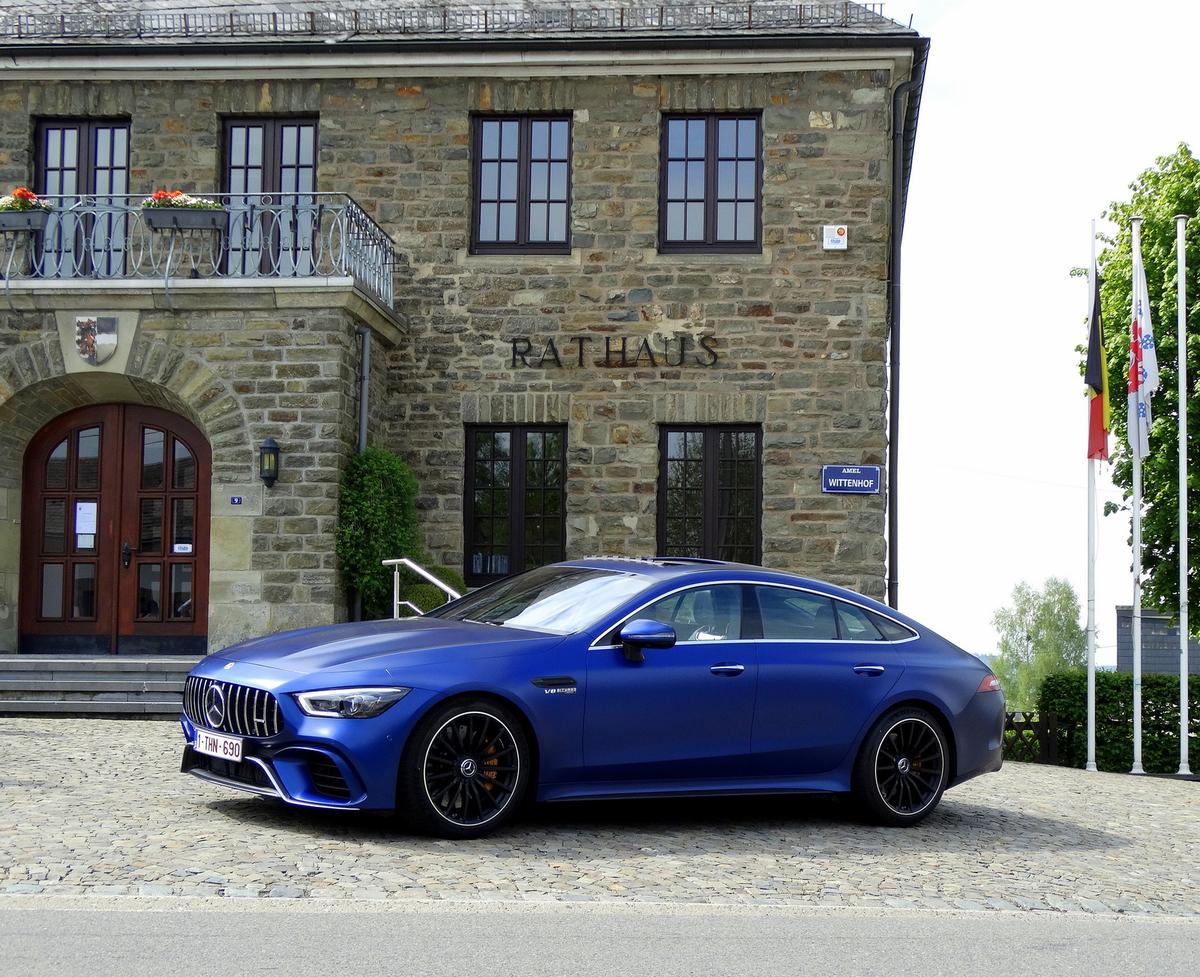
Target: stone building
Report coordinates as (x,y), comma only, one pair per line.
(583,247)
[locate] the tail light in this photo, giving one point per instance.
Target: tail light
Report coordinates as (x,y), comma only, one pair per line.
(989,684)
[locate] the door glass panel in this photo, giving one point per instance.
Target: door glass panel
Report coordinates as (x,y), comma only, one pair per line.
(183,523)
(702,614)
(87,515)
(83,605)
(150,526)
(152,458)
(184,474)
(56,467)
(52,589)
(54,526)
(149,592)
(181,591)
(793,615)
(87,467)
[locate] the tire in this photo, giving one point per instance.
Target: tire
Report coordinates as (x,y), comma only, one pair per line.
(465,770)
(901,771)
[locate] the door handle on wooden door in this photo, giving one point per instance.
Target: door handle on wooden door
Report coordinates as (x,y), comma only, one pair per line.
(126,555)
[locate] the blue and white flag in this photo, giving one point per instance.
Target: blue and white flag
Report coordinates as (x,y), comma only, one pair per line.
(1143,363)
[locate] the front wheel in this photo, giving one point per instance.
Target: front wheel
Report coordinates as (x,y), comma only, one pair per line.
(901,770)
(464,770)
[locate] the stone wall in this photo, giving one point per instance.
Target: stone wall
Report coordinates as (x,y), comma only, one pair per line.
(800,332)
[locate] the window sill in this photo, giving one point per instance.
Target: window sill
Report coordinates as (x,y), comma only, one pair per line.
(572,259)
(652,256)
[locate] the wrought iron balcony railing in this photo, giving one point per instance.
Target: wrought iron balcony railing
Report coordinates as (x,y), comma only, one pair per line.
(269,236)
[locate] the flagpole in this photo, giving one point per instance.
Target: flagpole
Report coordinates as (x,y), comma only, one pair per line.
(1091,558)
(1181,285)
(1136,227)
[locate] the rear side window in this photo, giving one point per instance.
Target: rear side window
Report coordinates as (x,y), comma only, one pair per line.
(855,625)
(890,629)
(795,615)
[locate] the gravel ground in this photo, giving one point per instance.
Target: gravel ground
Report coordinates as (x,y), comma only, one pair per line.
(93,807)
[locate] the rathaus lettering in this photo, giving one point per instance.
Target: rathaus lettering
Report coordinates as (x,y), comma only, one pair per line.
(616,351)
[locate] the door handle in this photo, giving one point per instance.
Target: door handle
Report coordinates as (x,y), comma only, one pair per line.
(727,668)
(872,670)
(126,555)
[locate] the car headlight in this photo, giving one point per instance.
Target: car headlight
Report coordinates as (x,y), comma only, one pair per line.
(349,703)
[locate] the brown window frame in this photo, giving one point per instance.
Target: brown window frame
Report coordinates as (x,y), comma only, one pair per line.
(85,161)
(710,511)
(522,245)
(516,494)
(710,244)
(272,146)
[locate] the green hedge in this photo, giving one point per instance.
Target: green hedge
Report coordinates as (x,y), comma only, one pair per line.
(1065,694)
(425,595)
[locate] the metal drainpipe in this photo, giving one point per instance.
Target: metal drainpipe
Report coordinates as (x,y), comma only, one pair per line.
(364,387)
(896,232)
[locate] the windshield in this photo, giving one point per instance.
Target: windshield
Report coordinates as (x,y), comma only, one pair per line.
(556,599)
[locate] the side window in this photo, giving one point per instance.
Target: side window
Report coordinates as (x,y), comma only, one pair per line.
(701,614)
(890,630)
(795,615)
(855,625)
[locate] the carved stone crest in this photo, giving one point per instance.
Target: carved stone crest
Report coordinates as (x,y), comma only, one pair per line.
(95,338)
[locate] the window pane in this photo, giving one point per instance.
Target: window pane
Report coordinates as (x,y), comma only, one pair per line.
(676,138)
(695,181)
(695,144)
(703,614)
(890,630)
(558,181)
(558,222)
(539,139)
(150,526)
(52,589)
(487,222)
(87,465)
(726,221)
(695,222)
(793,615)
(745,180)
(491,140)
(559,131)
(152,458)
(727,138)
(86,522)
(508,222)
(56,467)
(489,181)
(149,606)
(181,591)
(855,625)
(184,475)
(54,526)
(183,525)
(726,181)
(745,222)
(83,604)
(537,222)
(539,181)
(508,181)
(675,221)
(508,139)
(748,138)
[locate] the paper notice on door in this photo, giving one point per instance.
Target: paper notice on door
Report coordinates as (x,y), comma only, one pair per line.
(85,518)
(181,548)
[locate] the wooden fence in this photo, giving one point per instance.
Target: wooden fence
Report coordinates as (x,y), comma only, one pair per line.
(1031,737)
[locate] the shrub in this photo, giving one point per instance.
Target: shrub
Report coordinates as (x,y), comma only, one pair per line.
(425,595)
(377,521)
(1065,694)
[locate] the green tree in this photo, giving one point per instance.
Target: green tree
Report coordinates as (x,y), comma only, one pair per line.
(1171,187)
(1038,634)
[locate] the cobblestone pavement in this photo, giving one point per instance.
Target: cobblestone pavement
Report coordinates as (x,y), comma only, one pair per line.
(93,807)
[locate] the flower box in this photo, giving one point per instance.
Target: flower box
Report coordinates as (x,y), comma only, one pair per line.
(33,219)
(184,218)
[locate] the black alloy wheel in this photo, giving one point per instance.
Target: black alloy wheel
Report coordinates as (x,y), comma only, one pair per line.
(901,771)
(465,770)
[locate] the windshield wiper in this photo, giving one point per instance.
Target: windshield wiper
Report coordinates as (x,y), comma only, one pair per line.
(471,620)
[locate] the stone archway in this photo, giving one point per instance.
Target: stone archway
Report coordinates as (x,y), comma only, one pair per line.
(36,386)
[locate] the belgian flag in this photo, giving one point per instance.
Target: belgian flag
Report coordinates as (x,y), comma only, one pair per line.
(1096,377)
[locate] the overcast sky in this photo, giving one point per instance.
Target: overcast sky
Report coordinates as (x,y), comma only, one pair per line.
(1036,115)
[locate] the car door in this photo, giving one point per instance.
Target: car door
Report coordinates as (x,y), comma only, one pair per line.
(685,713)
(824,668)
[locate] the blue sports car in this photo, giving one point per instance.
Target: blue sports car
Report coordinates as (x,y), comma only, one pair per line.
(600,678)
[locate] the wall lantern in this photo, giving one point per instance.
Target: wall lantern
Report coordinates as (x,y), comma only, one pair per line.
(268,462)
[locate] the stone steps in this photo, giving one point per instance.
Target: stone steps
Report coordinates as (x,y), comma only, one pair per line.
(65,685)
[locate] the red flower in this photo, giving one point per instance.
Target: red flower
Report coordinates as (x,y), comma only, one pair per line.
(24,193)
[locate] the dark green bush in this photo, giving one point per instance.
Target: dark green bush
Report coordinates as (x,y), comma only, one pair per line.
(1065,694)
(425,595)
(377,520)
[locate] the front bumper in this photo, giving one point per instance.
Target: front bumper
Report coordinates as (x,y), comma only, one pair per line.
(337,764)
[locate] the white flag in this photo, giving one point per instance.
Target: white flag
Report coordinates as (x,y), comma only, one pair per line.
(1143,363)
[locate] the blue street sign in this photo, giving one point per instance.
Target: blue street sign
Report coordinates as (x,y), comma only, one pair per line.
(850,479)
(235,500)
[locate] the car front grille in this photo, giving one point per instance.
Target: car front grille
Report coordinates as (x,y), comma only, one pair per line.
(250,774)
(241,710)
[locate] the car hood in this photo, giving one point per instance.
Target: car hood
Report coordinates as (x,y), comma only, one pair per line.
(390,645)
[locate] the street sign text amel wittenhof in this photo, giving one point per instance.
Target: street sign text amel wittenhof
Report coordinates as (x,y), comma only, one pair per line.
(850,479)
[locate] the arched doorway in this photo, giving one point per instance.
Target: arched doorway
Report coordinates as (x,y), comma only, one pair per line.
(115,534)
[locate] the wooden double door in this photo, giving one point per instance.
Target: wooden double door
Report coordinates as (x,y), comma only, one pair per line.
(114,534)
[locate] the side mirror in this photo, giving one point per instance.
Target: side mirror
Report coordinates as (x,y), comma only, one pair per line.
(643,633)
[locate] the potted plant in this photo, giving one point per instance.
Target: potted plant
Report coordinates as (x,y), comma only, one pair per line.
(24,210)
(166,210)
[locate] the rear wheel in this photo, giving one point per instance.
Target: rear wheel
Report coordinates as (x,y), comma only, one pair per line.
(465,770)
(901,770)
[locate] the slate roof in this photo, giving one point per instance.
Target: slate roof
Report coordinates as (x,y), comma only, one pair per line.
(43,22)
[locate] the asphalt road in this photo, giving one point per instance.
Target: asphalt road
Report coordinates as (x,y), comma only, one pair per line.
(133,937)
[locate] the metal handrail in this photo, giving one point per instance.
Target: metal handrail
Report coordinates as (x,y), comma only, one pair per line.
(420,571)
(273,236)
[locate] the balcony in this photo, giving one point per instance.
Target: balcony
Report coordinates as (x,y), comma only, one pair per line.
(275,238)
